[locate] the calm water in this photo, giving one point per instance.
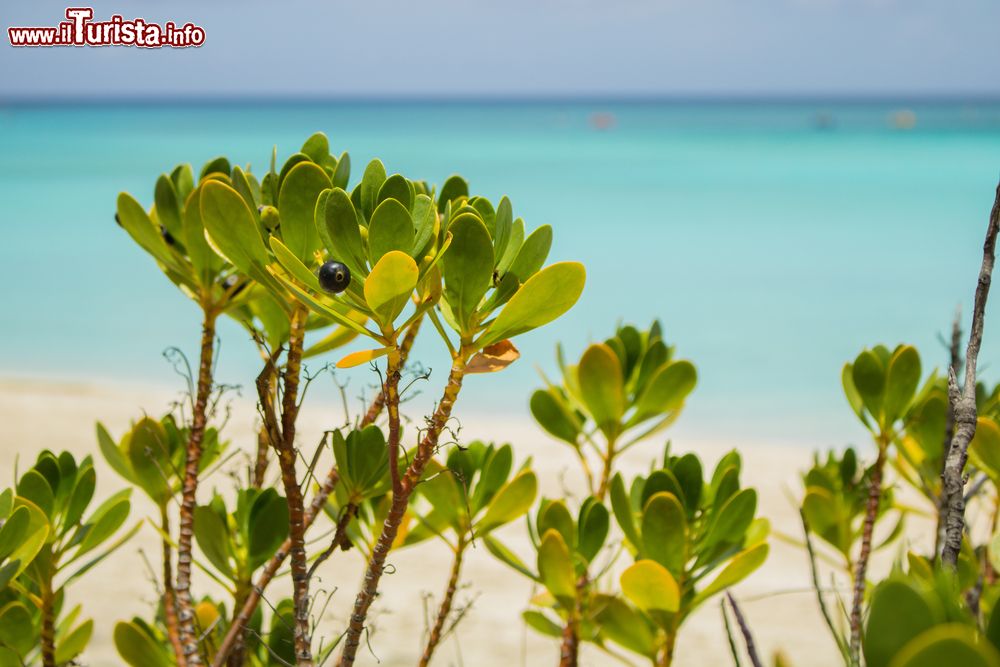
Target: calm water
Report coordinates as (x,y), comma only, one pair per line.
(772,250)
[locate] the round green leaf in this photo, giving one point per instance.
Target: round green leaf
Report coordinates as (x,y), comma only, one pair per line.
(898,614)
(467,268)
(389,286)
(665,532)
(390,228)
(902,379)
(297,206)
(651,587)
(556,568)
(949,644)
(602,387)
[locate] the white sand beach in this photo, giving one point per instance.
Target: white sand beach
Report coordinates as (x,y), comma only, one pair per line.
(777,599)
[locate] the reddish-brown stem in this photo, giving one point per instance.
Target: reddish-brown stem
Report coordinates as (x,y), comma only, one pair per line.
(375,409)
(48,630)
(391,391)
(169,597)
(871,512)
(187,623)
(293,493)
(425,450)
(244,613)
(434,637)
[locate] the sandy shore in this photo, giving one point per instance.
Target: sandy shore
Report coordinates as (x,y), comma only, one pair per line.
(777,599)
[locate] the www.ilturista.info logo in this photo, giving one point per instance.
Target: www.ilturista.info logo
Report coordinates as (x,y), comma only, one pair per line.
(80,30)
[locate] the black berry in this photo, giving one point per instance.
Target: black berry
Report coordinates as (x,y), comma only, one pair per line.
(334,277)
(167,236)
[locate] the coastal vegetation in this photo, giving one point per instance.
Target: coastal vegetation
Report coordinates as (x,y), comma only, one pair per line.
(308,259)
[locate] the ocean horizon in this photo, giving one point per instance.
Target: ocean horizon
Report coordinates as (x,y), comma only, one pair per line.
(773,238)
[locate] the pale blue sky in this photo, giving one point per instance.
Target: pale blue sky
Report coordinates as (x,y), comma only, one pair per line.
(463,48)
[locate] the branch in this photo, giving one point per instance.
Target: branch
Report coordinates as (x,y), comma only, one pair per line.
(425,450)
(185,602)
(436,633)
(243,615)
(860,573)
(963,404)
(745,630)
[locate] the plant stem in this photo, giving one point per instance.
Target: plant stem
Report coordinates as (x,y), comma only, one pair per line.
(169,597)
(48,630)
(609,458)
(570,647)
(871,512)
(293,493)
(339,537)
(404,351)
(243,614)
(964,403)
(391,392)
(745,630)
(434,638)
(425,450)
(185,603)
(814,569)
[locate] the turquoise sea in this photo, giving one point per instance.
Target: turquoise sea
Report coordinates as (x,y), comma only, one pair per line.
(774,239)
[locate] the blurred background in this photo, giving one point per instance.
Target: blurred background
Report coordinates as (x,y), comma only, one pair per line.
(781,182)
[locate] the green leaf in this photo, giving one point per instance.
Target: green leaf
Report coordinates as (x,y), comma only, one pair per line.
(505,555)
(730,523)
(168,206)
(622,508)
(902,379)
(232,229)
(317,147)
(33,486)
(898,613)
(105,520)
(984,450)
(138,649)
(868,374)
(453,188)
(371,183)
(651,587)
(665,532)
(339,228)
(390,285)
(546,296)
(467,268)
(541,623)
(626,627)
(17,630)
(297,206)
(142,230)
(398,188)
(83,493)
(602,387)
(213,538)
(666,390)
(73,644)
(148,454)
(555,567)
(532,254)
(268,527)
(735,571)
(390,229)
(592,528)
(510,502)
(554,416)
(206,263)
(33,536)
(219,165)
(949,644)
